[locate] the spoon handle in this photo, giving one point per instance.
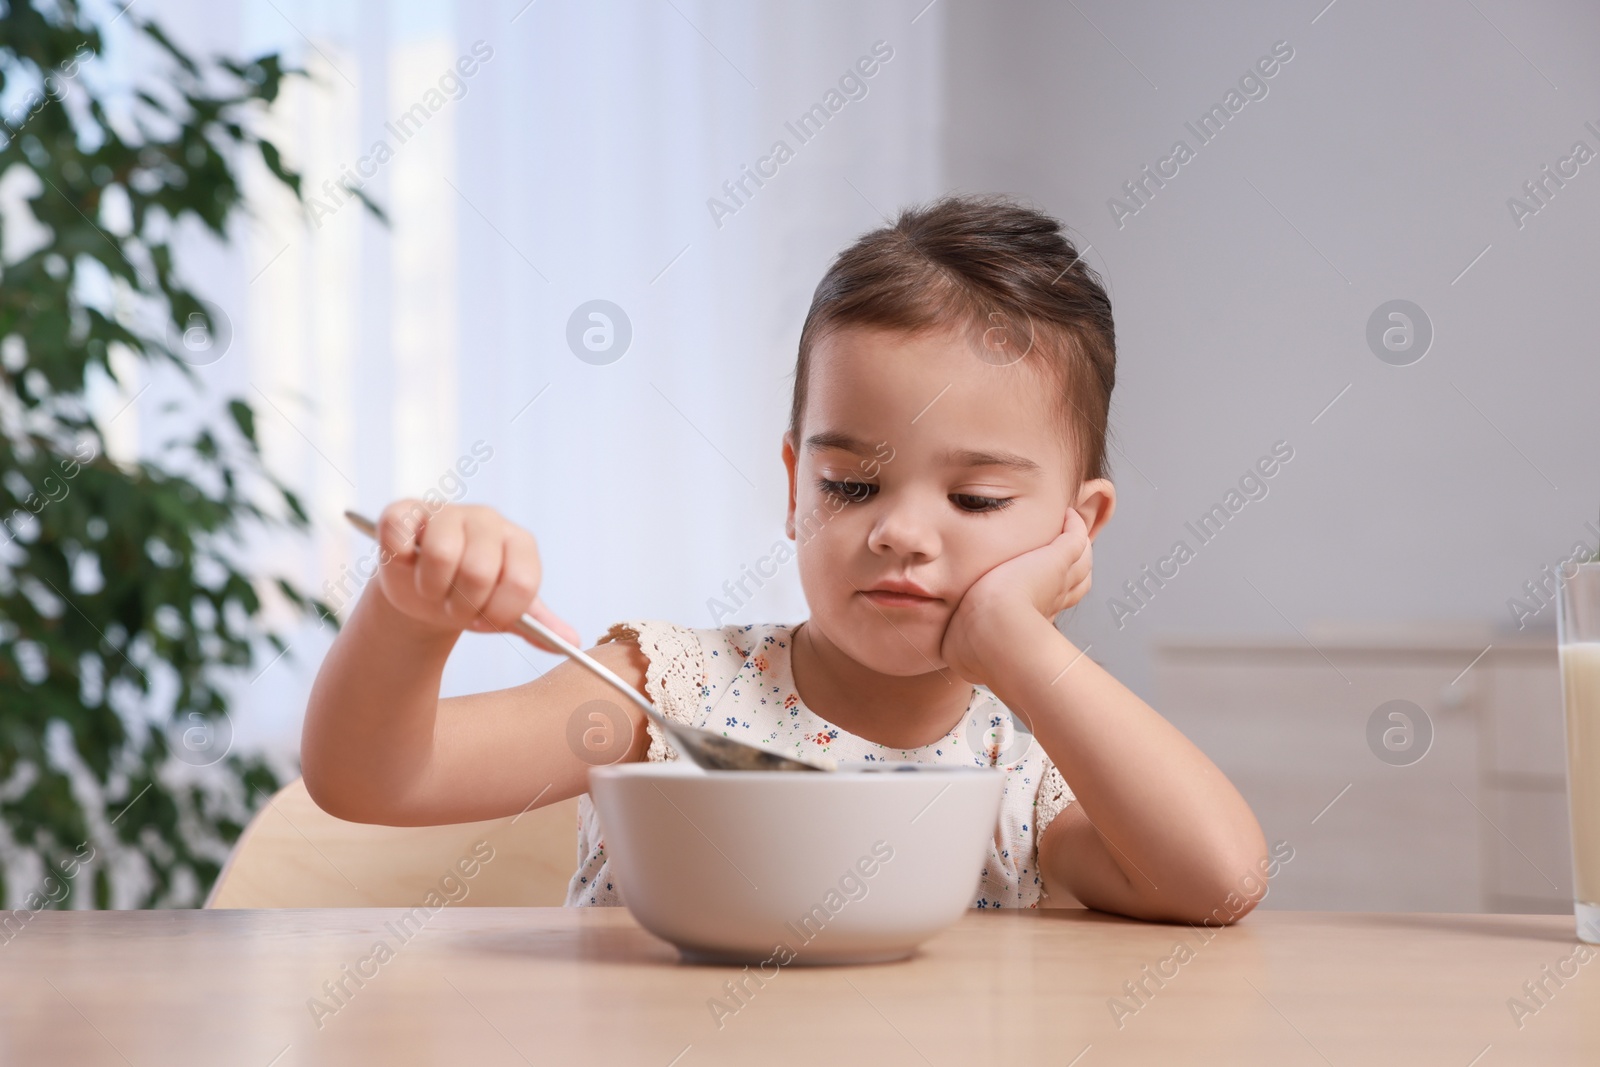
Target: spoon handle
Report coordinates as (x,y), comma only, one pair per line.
(528,626)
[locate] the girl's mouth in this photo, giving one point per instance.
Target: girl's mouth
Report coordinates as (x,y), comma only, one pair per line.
(885,598)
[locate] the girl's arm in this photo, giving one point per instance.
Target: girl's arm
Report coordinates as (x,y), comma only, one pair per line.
(1157,830)
(380,746)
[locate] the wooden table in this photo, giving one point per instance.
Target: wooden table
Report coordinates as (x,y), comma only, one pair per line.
(491,986)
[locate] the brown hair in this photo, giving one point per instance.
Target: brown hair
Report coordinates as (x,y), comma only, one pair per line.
(979,261)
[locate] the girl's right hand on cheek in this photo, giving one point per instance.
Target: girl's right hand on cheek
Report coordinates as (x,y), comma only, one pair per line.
(462,567)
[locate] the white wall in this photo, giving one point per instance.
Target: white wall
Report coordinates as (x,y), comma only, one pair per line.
(1378,166)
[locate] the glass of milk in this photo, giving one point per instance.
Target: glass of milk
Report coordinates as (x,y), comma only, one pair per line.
(1578,636)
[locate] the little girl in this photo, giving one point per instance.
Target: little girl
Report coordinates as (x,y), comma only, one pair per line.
(947,477)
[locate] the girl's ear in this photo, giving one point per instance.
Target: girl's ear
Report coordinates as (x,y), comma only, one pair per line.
(1097,499)
(790,462)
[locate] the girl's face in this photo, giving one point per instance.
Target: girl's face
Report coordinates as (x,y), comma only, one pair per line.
(919,461)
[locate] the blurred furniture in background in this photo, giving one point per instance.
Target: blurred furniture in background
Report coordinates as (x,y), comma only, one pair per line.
(295,855)
(1477,823)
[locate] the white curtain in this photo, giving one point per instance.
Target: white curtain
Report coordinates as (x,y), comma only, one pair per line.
(537,157)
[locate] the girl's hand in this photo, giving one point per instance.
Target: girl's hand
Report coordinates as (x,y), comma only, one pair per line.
(461,568)
(1044,581)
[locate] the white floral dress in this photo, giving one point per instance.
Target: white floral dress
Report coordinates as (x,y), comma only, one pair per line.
(736,680)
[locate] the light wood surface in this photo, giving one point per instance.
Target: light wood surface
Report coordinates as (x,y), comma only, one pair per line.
(295,855)
(490,986)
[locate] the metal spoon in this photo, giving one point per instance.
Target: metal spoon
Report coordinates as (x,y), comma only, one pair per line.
(709,750)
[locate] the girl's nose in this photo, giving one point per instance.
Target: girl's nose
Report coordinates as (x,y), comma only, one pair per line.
(906,530)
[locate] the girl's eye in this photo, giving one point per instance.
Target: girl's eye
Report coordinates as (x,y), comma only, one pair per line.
(980,504)
(854,492)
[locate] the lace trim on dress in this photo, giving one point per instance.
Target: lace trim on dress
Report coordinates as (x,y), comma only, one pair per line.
(673,675)
(1053,798)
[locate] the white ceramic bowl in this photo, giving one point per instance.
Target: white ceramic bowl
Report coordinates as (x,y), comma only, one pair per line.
(855,866)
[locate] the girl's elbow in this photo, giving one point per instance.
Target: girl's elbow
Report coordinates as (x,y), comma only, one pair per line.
(1215,909)
(330,791)
(1233,889)
(321,788)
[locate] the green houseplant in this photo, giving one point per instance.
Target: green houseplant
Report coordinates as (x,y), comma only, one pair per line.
(124,606)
